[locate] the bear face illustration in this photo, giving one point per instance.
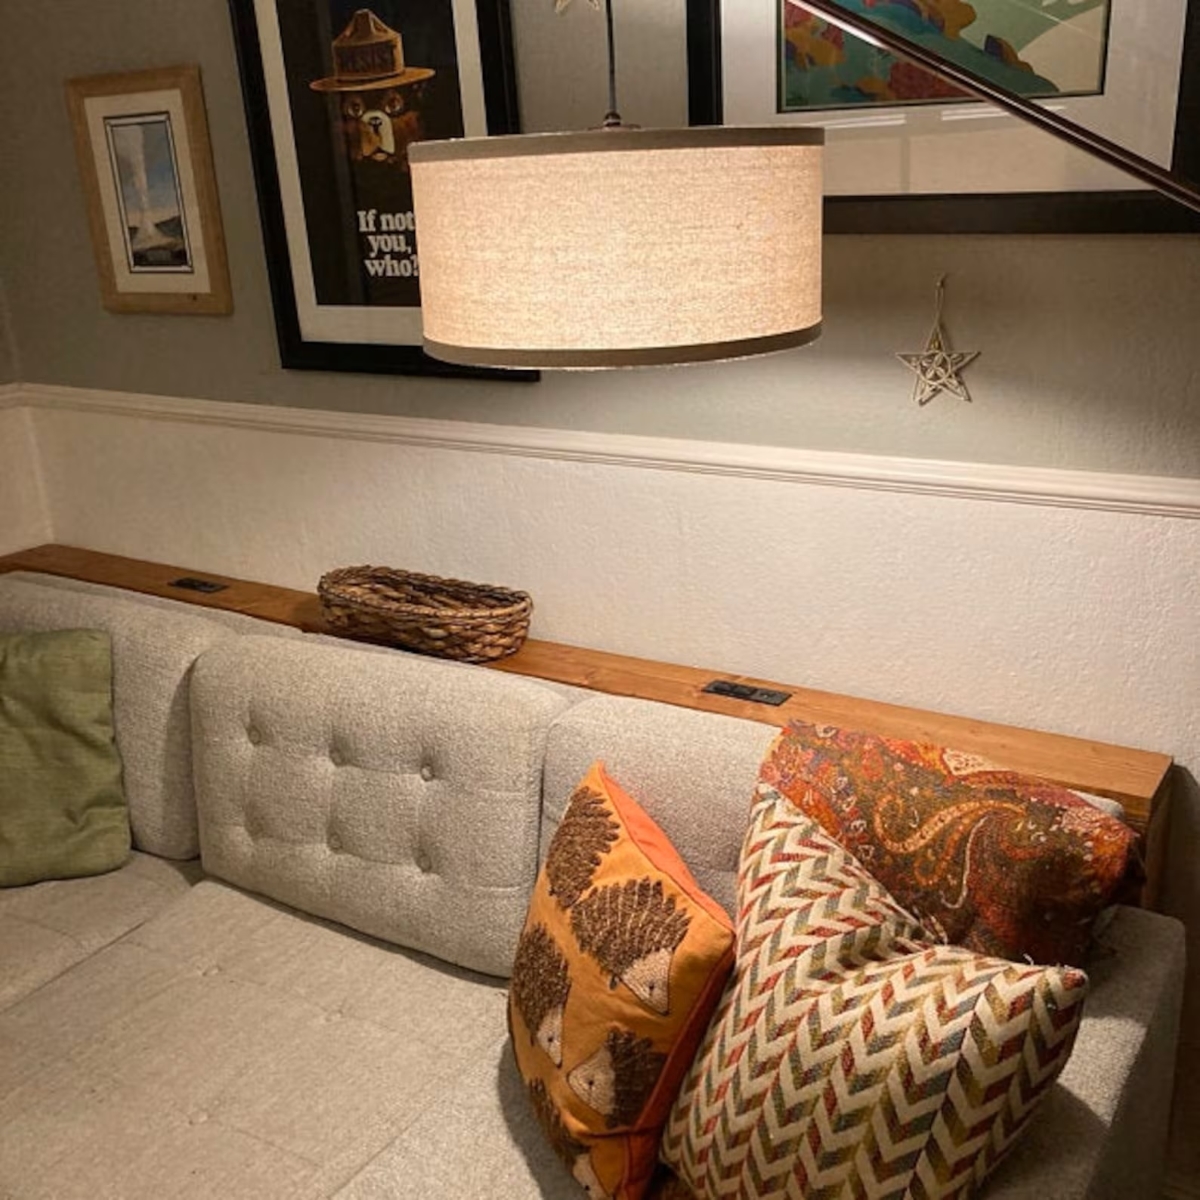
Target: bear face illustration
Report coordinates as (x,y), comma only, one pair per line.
(380,126)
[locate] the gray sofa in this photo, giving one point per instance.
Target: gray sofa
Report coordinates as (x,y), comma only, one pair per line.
(317,1007)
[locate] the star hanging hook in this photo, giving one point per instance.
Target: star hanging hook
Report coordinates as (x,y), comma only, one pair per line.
(937,368)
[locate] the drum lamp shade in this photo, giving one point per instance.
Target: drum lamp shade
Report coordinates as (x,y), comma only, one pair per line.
(619,247)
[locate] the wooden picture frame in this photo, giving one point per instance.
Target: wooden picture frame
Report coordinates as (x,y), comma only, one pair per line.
(1105,210)
(335,202)
(141,138)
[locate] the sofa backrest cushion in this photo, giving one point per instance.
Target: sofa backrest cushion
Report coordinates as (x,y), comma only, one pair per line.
(153,649)
(397,795)
(693,772)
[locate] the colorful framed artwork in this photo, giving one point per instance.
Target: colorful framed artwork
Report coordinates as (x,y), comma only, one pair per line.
(905,152)
(335,93)
(142,142)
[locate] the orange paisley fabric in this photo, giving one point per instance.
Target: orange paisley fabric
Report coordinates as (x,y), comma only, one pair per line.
(1001,863)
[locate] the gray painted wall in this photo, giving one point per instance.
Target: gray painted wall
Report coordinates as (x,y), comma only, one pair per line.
(9,368)
(1089,356)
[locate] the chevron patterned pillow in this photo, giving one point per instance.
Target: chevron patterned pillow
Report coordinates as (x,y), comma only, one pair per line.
(849,1055)
(619,968)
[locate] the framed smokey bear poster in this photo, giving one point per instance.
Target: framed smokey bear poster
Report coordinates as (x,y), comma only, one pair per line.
(335,93)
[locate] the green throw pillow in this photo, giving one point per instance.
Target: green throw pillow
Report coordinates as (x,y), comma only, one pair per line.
(62,805)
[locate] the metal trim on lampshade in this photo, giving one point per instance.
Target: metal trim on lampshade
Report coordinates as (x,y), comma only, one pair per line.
(619,247)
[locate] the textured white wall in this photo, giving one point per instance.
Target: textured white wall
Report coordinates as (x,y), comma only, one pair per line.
(1081,621)
(24,519)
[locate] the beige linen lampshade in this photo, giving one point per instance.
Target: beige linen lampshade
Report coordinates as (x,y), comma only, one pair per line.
(619,247)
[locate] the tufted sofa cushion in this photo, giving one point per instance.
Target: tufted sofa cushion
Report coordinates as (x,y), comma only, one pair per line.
(693,772)
(153,649)
(397,795)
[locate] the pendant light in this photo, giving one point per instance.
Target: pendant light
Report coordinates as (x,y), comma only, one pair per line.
(619,246)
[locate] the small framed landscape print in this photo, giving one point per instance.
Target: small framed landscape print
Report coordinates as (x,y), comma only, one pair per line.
(335,92)
(142,142)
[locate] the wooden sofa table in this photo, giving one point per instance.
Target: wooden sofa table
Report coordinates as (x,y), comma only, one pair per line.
(1139,779)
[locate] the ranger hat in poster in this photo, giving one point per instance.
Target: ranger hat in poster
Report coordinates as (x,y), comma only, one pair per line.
(380,105)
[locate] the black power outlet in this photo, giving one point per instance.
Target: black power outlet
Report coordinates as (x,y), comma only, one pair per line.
(191,584)
(743,691)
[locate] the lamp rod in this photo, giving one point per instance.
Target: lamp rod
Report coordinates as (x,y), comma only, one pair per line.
(1044,118)
(612,119)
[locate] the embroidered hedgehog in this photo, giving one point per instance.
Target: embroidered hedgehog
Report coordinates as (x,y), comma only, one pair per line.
(585,834)
(574,1153)
(585,1175)
(617,1080)
(540,984)
(632,930)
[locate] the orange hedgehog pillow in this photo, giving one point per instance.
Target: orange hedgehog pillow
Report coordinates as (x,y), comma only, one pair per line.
(622,961)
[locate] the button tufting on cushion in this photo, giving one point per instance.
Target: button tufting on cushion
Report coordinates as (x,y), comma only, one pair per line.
(253,734)
(388,717)
(337,757)
(426,772)
(334,842)
(423,863)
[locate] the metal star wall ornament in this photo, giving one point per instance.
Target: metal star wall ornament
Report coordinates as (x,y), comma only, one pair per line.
(938,368)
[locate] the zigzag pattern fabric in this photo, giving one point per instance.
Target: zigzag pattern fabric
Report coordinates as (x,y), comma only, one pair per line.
(849,1057)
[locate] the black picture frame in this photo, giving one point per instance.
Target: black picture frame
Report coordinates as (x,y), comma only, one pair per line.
(1019,212)
(295,350)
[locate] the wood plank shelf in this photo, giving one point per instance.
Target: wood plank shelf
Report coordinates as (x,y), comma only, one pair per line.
(1139,779)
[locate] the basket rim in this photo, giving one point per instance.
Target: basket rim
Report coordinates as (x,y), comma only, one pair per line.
(519,603)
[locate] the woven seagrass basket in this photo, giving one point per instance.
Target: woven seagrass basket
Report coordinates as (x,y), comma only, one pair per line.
(451,618)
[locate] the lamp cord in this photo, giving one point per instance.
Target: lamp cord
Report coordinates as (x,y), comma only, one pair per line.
(612,118)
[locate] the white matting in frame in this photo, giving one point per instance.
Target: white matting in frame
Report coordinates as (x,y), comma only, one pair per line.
(967,147)
(104,115)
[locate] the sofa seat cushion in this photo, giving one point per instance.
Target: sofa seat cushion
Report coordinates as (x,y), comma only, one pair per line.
(1099,1135)
(1103,1130)
(477,1140)
(137,1074)
(230,1048)
(46,928)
